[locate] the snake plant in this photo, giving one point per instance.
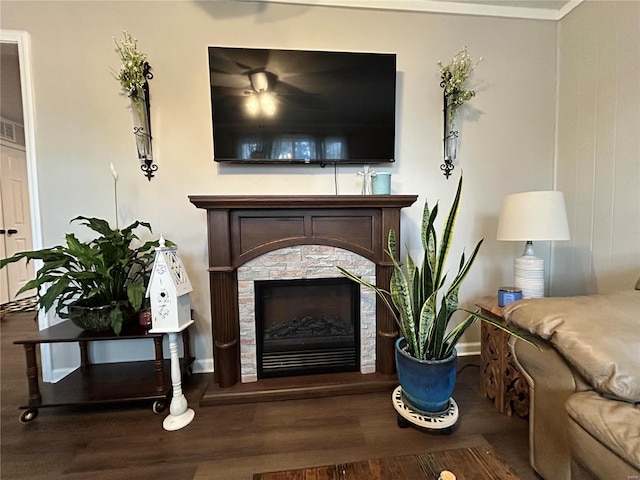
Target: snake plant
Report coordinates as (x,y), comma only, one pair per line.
(418,298)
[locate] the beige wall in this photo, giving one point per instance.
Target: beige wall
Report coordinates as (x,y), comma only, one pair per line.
(598,148)
(83,123)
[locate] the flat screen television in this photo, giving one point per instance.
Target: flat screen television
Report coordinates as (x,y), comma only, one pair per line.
(294,106)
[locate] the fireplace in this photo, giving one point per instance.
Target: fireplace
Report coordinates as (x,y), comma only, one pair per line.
(241,229)
(307,326)
(302,263)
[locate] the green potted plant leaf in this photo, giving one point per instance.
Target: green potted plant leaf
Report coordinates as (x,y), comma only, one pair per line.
(423,308)
(98,284)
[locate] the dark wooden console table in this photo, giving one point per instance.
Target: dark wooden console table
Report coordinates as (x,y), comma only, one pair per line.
(102,383)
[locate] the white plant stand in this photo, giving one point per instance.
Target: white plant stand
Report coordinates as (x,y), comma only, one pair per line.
(407,415)
(180,414)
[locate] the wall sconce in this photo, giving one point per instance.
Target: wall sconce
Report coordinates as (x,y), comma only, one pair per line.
(454,94)
(141,107)
(450,137)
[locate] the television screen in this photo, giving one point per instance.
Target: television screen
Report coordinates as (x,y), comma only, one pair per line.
(293,106)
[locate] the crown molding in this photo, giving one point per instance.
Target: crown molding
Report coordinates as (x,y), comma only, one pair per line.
(507,9)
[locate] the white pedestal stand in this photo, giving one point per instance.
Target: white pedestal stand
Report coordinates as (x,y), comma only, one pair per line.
(180,415)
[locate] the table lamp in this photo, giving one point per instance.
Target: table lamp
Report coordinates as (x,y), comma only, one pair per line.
(527,217)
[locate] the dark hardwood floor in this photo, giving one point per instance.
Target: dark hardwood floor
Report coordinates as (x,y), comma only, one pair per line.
(227,442)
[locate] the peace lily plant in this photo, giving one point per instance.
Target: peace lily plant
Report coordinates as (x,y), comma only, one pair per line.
(419,300)
(106,271)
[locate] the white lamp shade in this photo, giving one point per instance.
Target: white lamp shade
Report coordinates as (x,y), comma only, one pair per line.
(533,216)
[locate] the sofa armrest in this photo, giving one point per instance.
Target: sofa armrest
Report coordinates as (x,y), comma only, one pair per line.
(551,382)
(597,335)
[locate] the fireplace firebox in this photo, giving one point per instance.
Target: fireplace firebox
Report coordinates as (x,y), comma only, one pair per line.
(307,326)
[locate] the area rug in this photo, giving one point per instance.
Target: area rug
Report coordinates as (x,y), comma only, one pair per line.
(477,463)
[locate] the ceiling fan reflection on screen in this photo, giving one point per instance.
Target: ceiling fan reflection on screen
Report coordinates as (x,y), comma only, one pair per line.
(261,98)
(252,74)
(265,92)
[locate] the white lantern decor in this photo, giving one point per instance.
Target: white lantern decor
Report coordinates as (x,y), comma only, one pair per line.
(168,293)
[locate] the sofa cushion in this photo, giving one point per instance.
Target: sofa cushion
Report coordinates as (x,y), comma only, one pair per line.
(598,335)
(613,423)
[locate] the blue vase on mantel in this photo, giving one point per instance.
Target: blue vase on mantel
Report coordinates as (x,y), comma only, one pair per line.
(427,385)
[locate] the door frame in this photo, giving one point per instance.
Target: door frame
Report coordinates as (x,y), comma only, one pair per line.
(23,41)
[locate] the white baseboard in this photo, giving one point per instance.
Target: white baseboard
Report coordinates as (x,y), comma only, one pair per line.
(58,374)
(203,366)
(468,348)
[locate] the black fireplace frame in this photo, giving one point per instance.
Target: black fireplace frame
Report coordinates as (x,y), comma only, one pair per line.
(350,355)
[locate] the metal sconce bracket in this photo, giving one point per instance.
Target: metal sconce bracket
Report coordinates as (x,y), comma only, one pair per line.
(449,138)
(143,130)
(447,167)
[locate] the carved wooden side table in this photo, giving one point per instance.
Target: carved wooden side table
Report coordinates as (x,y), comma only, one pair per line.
(499,376)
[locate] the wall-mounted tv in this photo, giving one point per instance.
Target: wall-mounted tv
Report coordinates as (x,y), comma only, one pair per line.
(294,106)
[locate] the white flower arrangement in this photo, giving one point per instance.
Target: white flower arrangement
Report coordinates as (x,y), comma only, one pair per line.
(134,69)
(454,76)
(133,76)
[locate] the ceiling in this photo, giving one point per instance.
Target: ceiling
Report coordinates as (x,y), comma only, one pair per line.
(536,9)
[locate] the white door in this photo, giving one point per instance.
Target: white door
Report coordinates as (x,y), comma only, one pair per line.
(4,282)
(15,222)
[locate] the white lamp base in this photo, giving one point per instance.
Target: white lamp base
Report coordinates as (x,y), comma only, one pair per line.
(529,273)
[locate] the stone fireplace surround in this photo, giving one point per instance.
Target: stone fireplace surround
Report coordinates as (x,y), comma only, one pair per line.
(303,262)
(242,228)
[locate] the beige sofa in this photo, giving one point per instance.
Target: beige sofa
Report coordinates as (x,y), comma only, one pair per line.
(585,384)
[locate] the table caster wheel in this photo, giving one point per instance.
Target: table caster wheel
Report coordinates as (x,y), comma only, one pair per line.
(28,415)
(403,422)
(158,406)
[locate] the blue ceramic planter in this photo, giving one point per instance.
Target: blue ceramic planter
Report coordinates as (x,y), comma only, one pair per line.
(427,385)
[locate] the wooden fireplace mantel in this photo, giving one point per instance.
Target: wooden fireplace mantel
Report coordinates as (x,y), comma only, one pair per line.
(301,201)
(243,227)
(240,228)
